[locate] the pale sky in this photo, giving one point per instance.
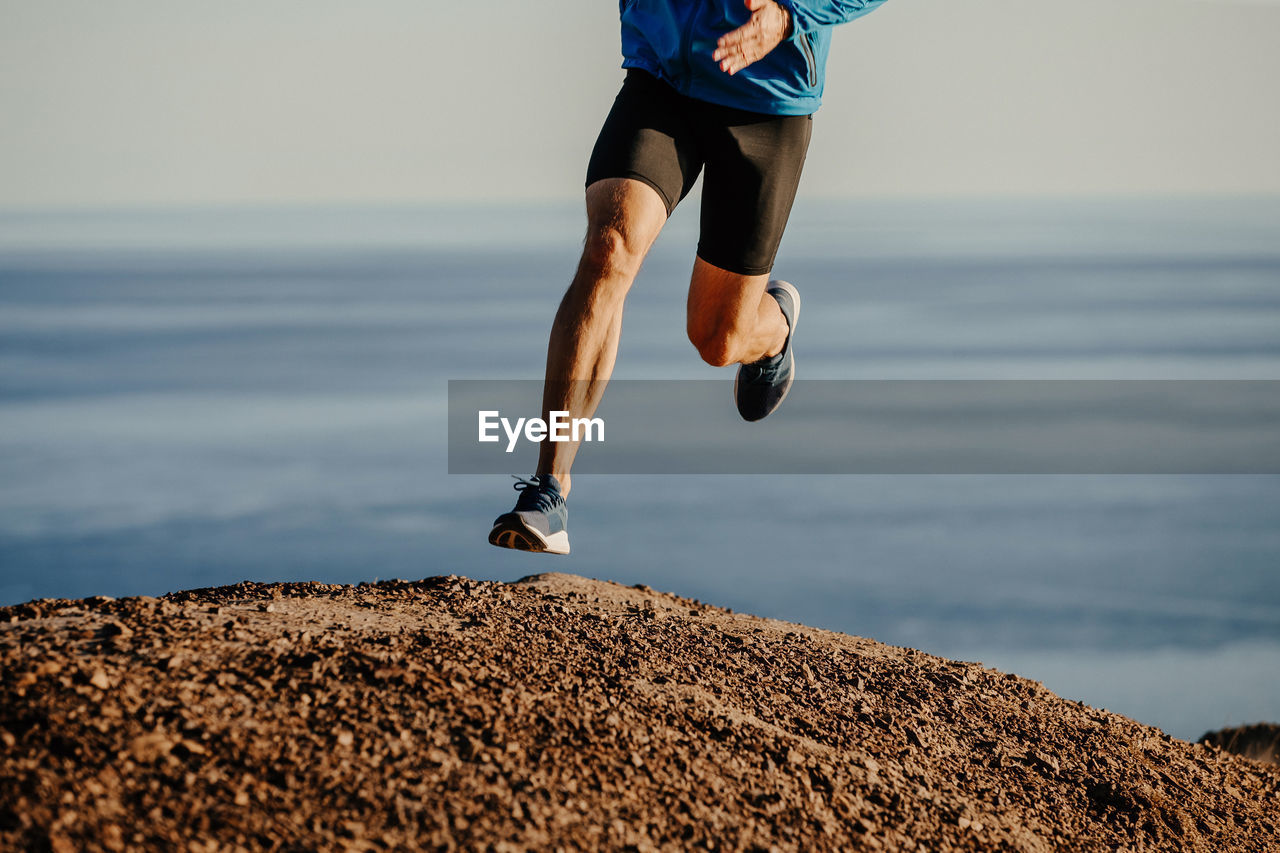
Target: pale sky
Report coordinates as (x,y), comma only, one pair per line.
(144,102)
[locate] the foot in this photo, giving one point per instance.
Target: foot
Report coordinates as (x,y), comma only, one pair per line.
(763,385)
(540,520)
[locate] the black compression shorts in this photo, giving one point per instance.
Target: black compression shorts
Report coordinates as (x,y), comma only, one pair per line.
(752,160)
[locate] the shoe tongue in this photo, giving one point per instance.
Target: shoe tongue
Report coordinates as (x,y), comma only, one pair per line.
(770,362)
(548,481)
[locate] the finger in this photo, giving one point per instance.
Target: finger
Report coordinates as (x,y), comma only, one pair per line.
(732,38)
(729,43)
(735,48)
(732,48)
(743,53)
(731,62)
(738,61)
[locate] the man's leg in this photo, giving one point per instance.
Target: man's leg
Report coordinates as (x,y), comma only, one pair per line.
(745,319)
(736,314)
(624,217)
(731,319)
(644,162)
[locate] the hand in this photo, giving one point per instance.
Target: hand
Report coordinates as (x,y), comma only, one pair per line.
(769,25)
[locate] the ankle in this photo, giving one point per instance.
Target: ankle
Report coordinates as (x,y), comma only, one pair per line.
(561,479)
(774,352)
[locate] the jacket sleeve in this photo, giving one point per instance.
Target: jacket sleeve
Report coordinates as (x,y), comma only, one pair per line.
(810,15)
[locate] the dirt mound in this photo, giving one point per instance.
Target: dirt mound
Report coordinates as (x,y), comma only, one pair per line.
(560,712)
(1260,742)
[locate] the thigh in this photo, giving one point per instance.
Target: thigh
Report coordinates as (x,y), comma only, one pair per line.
(753,166)
(647,137)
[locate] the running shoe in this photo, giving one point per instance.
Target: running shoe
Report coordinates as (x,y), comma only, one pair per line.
(539,521)
(762,385)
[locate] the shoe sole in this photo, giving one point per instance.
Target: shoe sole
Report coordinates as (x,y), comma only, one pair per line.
(514,534)
(795,321)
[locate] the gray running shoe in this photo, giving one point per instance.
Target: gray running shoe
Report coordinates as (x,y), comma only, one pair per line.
(539,521)
(762,385)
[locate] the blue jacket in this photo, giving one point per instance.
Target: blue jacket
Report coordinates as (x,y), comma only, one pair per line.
(674,39)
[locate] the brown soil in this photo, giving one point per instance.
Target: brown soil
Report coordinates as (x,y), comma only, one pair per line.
(559,712)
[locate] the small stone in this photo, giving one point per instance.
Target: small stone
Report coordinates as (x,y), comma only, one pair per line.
(100,680)
(112,837)
(193,747)
(147,748)
(346,738)
(61,844)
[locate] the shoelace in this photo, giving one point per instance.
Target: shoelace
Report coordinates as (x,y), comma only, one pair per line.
(763,370)
(533,496)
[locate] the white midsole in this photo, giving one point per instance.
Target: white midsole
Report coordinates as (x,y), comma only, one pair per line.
(557,543)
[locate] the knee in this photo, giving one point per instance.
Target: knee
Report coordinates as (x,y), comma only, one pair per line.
(612,250)
(717,345)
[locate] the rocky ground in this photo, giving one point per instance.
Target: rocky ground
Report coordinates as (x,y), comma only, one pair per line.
(559,712)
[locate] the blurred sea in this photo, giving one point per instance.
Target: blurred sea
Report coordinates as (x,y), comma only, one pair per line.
(197,397)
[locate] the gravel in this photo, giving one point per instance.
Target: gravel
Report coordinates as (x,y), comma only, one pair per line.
(559,712)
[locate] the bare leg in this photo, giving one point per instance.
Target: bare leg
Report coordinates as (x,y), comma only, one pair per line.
(623,219)
(731,320)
